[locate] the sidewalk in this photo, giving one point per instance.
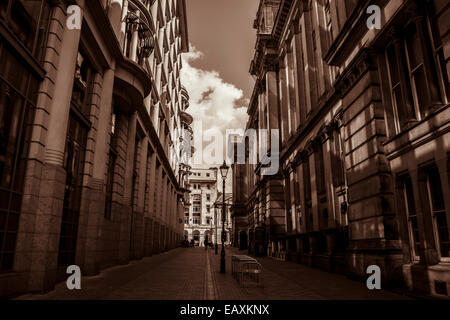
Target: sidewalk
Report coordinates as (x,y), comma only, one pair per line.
(285,280)
(175,275)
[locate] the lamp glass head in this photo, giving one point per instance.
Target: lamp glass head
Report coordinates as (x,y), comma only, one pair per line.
(224,170)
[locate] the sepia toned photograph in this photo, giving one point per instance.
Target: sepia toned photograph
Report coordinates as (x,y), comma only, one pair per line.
(225,158)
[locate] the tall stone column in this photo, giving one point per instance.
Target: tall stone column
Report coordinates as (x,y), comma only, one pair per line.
(139,223)
(118,10)
(131,145)
(95,212)
(60,106)
(134,43)
(125,215)
(45,243)
(92,196)
(115,16)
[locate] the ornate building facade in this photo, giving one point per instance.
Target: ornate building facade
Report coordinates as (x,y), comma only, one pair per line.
(200,216)
(91,123)
(203,217)
(363,117)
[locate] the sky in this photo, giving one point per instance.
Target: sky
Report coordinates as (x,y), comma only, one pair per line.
(216,70)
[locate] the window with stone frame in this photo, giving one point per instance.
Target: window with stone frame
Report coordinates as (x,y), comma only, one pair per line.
(196,219)
(82,86)
(196,204)
(18,94)
(29,21)
(337,158)
(416,83)
(320,168)
(307,194)
(410,212)
(438,211)
(437,46)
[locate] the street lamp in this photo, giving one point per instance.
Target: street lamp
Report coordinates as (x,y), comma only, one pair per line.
(223,171)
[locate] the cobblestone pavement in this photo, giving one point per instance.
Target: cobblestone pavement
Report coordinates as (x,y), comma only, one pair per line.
(193,273)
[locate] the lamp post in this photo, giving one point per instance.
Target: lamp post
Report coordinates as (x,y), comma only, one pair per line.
(216,246)
(223,171)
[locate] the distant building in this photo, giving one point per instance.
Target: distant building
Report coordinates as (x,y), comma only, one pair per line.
(203,216)
(199,216)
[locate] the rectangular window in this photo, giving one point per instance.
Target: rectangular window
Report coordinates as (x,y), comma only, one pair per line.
(208,208)
(307,195)
(196,220)
(415,74)
(438,212)
(400,91)
(337,160)
(411,216)
(28,20)
(18,89)
(196,203)
(438,52)
(111,167)
(320,169)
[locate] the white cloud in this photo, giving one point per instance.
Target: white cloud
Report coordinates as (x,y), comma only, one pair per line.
(219,105)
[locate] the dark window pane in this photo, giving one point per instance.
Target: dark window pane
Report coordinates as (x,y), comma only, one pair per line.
(436,190)
(24,22)
(410,196)
(392,65)
(13,222)
(4,199)
(420,83)
(13,71)
(413,46)
(7,261)
(10,241)
(10,122)
(3,216)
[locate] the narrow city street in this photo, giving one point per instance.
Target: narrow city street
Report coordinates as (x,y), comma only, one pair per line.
(193,274)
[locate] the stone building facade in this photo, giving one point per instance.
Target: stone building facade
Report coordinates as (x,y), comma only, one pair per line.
(91,124)
(200,215)
(363,120)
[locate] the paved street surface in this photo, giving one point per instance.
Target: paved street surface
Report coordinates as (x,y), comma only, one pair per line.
(193,274)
